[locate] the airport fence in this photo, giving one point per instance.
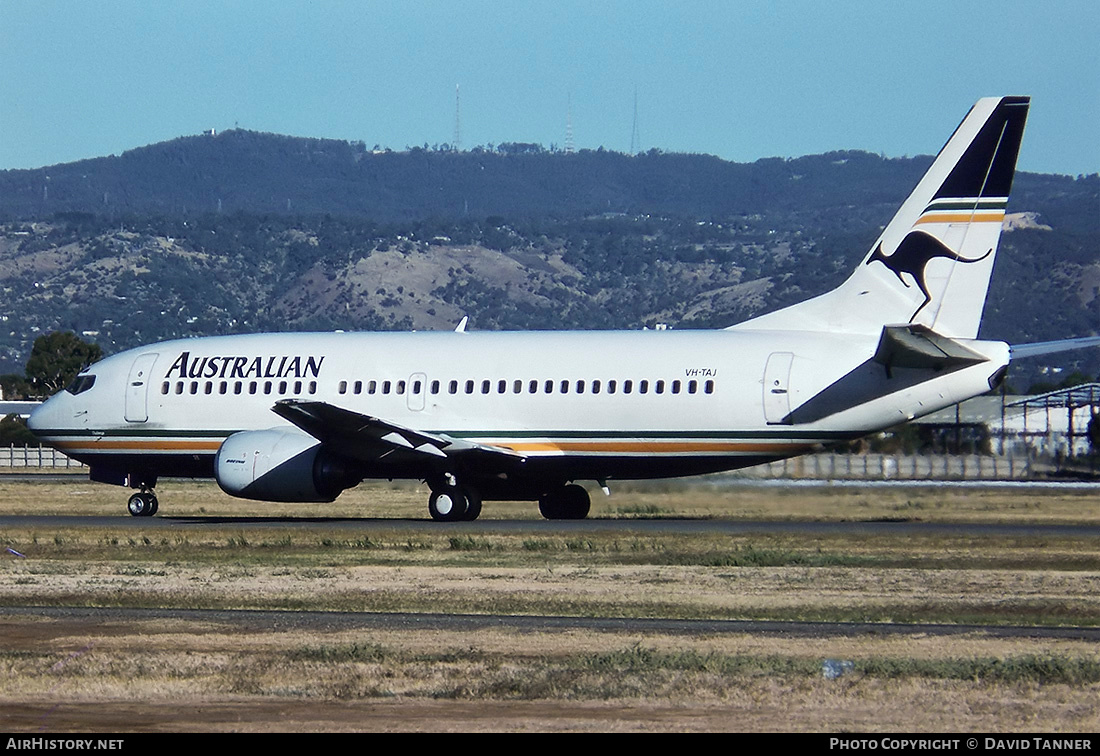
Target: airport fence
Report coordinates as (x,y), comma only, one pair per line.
(901,467)
(27,458)
(808,467)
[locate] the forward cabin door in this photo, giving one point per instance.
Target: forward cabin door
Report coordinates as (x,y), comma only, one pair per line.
(137,388)
(777,395)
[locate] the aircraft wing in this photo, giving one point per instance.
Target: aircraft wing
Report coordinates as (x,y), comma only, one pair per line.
(1050,347)
(371,439)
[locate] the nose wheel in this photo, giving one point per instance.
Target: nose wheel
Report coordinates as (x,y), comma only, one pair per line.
(143,504)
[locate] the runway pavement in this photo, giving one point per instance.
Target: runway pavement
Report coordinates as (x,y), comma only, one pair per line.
(656,526)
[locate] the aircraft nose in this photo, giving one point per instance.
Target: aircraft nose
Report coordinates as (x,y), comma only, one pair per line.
(44,417)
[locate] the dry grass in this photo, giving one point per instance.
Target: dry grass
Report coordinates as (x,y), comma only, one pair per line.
(712,497)
(794,593)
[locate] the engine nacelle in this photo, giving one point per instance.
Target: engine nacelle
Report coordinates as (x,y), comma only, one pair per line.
(279,465)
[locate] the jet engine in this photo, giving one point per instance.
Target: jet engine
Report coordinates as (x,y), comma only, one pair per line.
(280,465)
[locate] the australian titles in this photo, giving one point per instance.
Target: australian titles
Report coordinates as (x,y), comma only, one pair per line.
(245,367)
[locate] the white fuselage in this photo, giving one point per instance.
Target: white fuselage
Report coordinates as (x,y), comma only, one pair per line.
(626,404)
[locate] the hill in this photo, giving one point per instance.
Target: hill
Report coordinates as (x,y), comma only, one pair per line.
(258,173)
(322,234)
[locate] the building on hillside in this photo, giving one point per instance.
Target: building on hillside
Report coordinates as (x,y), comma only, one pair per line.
(23,409)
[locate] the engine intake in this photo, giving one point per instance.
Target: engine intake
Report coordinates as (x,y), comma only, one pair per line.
(280,465)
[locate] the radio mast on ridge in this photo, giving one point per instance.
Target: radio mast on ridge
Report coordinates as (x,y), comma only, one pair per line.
(458,124)
(634,142)
(569,126)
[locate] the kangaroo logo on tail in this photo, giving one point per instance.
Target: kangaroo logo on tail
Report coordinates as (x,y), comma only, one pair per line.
(912,256)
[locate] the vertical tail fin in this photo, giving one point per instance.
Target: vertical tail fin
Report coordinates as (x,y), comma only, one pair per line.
(931,265)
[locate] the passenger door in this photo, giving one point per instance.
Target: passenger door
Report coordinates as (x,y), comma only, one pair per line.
(777,397)
(137,388)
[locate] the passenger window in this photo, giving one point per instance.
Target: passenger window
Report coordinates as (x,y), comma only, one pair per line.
(416,388)
(611,387)
(533,387)
(223,387)
(452,387)
(676,387)
(580,387)
(342,388)
(237,387)
(267,387)
(693,386)
(659,388)
(400,387)
(628,386)
(469,387)
(643,387)
(358,387)
(164,387)
(179,387)
(282,387)
(297,387)
(595,387)
(435,387)
(485,386)
(313,387)
(385,387)
(549,387)
(252,387)
(709,387)
(565,387)
(502,387)
(517,387)
(194,387)
(372,386)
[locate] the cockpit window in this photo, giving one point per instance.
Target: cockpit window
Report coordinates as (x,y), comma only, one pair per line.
(81,384)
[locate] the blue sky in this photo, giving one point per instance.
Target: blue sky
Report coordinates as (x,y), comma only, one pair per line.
(741,80)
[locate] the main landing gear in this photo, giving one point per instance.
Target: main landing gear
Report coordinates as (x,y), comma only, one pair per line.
(143,504)
(451,503)
(566,503)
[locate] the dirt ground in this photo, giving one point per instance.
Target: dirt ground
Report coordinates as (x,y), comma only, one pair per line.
(781,712)
(81,675)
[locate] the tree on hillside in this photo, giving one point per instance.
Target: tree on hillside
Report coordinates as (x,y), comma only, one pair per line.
(13,432)
(13,386)
(55,360)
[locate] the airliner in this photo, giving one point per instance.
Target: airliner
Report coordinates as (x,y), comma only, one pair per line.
(484,416)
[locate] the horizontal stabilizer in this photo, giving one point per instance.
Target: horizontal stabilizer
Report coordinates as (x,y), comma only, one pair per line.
(916,346)
(1050,347)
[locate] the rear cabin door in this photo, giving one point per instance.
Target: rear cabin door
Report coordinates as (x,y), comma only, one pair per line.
(137,388)
(777,396)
